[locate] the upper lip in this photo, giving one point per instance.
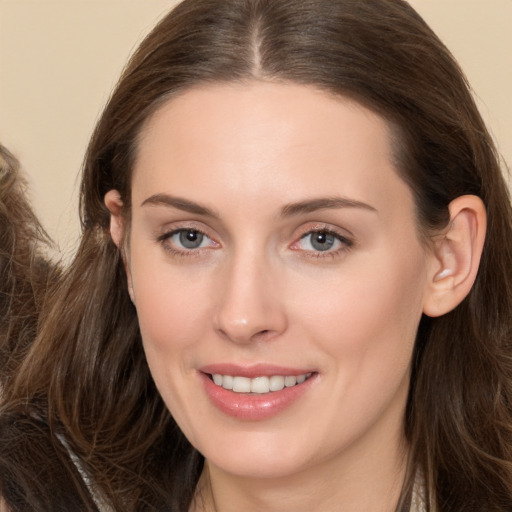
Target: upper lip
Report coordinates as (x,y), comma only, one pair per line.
(252,371)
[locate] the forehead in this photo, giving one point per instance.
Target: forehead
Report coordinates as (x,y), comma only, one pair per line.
(262,139)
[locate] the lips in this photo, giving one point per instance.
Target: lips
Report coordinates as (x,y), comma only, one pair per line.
(257,392)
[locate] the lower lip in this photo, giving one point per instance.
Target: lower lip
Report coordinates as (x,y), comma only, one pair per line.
(253,407)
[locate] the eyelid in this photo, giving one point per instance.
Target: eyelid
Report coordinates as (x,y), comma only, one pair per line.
(346,239)
(344,236)
(171,228)
(171,232)
(164,239)
(314,227)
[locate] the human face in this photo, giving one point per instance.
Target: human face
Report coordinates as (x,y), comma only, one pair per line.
(271,236)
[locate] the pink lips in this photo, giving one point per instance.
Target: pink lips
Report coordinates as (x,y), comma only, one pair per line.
(249,406)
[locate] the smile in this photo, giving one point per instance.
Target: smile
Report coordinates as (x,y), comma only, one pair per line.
(255,393)
(258,385)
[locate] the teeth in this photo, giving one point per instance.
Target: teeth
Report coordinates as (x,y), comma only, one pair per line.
(259,385)
(227,381)
(290,380)
(276,383)
(241,384)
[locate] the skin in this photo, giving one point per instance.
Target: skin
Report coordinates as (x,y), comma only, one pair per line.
(257,291)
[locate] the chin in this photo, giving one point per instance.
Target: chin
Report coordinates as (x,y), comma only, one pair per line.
(259,458)
(275,468)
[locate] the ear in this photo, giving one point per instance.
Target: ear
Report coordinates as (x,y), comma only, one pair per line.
(114,205)
(456,256)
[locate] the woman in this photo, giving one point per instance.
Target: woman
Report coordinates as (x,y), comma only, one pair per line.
(282,299)
(25,271)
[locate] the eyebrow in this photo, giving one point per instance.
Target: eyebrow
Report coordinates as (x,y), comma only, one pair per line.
(321,203)
(289,210)
(179,203)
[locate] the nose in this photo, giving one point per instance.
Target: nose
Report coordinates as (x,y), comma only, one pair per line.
(250,307)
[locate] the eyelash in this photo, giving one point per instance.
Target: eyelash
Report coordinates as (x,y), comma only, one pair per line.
(344,242)
(164,240)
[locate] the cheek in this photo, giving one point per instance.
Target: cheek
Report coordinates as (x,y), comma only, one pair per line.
(365,323)
(171,306)
(370,310)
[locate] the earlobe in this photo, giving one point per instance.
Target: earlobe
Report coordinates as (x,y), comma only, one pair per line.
(456,256)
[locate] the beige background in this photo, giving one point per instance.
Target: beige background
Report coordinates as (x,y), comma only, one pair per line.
(59,59)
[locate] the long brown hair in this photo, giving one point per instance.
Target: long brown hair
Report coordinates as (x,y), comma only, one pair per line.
(25,268)
(86,377)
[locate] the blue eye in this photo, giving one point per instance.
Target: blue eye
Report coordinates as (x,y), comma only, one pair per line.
(322,241)
(189,239)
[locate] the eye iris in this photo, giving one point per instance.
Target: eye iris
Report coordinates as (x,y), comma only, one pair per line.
(191,239)
(322,241)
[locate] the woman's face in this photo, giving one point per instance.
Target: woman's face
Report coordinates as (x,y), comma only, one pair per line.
(277,274)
